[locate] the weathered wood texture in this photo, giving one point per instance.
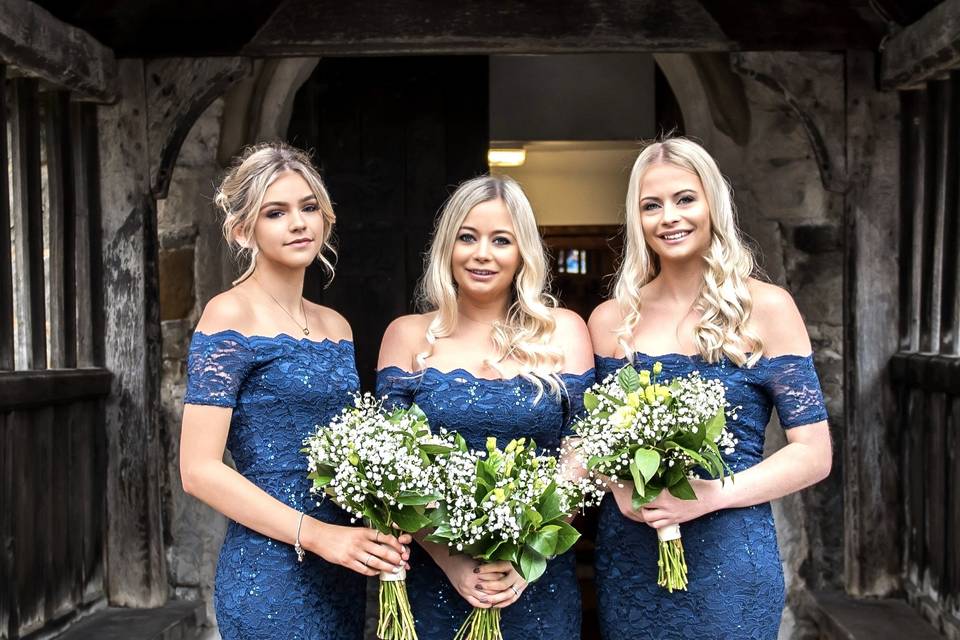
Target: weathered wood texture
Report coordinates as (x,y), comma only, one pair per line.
(37,43)
(178,91)
(871,481)
(131,329)
(329,27)
(926,369)
(27,209)
(6,264)
(51,480)
(924,50)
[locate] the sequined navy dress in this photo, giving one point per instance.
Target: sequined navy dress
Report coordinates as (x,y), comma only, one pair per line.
(735,576)
(549,608)
(279,388)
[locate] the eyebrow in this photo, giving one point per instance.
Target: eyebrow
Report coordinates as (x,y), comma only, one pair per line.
(275,203)
(682,191)
(495,232)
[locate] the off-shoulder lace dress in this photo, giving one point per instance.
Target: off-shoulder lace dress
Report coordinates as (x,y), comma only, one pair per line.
(736,587)
(549,609)
(279,389)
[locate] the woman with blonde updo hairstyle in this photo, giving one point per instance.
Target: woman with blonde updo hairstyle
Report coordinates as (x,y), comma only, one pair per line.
(685,297)
(265,366)
(491,355)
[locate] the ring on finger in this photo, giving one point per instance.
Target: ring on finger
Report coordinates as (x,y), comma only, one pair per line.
(366,562)
(515,590)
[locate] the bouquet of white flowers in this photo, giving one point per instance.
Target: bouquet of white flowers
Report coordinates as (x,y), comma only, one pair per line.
(656,434)
(379,465)
(508,504)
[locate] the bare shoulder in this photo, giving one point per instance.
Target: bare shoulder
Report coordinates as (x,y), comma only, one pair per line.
(230,310)
(335,326)
(603,324)
(571,335)
(776,318)
(404,338)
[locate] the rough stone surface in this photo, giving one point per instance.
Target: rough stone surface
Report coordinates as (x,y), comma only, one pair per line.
(196,530)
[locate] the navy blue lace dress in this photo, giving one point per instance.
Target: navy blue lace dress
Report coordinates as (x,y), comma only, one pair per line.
(548,609)
(279,389)
(735,576)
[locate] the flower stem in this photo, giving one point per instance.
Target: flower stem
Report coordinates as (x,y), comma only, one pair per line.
(673,565)
(396,618)
(481,624)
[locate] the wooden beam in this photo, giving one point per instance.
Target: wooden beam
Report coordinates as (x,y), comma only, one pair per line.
(872,480)
(178,91)
(22,389)
(6,264)
(924,50)
(40,45)
(392,27)
(28,223)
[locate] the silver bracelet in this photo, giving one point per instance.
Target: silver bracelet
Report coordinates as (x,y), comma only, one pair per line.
(296,545)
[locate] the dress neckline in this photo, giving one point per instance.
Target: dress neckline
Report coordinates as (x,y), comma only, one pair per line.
(469,374)
(696,357)
(280,337)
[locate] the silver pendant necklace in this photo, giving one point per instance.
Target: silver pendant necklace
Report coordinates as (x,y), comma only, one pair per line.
(305,328)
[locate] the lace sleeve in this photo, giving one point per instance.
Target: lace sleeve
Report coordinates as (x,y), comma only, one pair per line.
(793,385)
(573,398)
(217,366)
(396,386)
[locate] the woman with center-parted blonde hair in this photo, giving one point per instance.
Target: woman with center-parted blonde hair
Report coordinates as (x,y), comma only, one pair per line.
(491,356)
(266,366)
(685,296)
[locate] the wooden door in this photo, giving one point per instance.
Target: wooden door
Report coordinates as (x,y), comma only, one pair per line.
(391,137)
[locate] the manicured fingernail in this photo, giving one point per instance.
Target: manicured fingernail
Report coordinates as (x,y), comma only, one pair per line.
(396,569)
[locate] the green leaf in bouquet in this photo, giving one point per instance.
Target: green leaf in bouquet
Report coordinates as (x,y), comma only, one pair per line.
(531,516)
(596,460)
(492,549)
(320,480)
(409,519)
(544,541)
(566,537)
(638,481)
(674,475)
(590,401)
(682,489)
(506,551)
(532,564)
(648,462)
(416,412)
(650,493)
(436,449)
(549,507)
(715,426)
(480,521)
(690,439)
(460,443)
(629,379)
(411,498)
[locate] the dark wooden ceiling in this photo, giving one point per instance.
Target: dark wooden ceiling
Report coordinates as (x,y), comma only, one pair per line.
(155,28)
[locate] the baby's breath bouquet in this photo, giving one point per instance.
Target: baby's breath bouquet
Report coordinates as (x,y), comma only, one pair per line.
(507,504)
(656,435)
(378,464)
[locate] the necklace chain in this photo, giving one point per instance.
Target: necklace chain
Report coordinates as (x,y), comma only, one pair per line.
(306,327)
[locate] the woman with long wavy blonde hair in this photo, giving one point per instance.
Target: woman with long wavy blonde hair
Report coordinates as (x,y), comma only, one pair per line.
(265,366)
(490,356)
(685,297)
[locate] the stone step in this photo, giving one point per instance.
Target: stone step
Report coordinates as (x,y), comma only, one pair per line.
(842,617)
(177,620)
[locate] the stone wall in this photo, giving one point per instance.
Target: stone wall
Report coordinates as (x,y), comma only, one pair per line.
(192,269)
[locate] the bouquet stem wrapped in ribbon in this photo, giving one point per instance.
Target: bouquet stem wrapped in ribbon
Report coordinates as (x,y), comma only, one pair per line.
(379,466)
(656,435)
(508,504)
